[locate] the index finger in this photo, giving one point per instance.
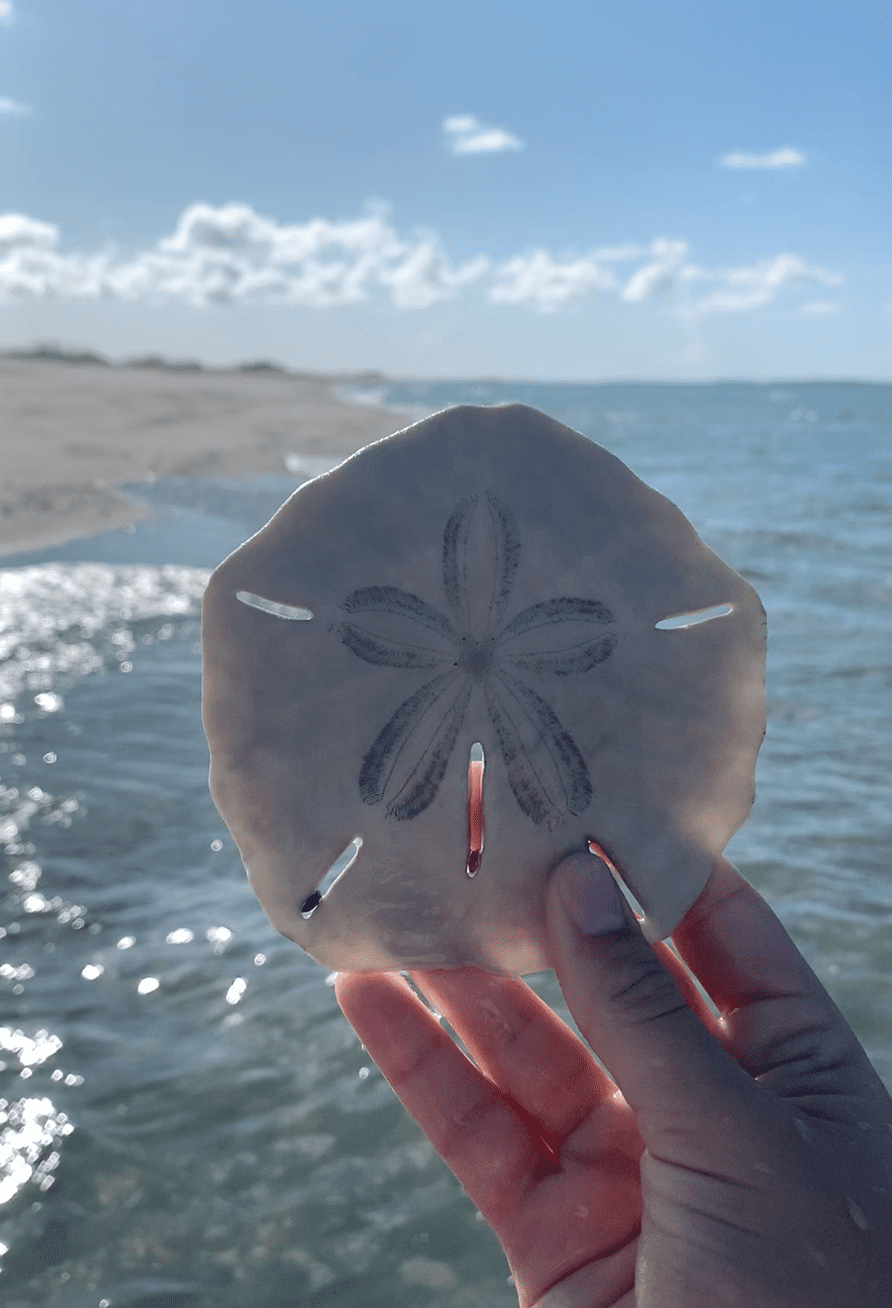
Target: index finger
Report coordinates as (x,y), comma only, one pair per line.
(469,1121)
(737,947)
(771,1002)
(522,1046)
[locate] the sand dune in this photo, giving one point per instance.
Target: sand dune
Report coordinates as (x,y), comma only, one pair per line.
(71,433)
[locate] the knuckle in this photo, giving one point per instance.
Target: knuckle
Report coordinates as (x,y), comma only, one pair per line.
(641,989)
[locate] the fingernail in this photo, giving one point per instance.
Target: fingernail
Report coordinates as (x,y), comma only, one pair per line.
(590,896)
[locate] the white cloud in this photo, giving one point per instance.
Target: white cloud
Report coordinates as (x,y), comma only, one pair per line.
(230,255)
(466,135)
(18,230)
(755,285)
(785,157)
(659,276)
(9,106)
(539,279)
(426,276)
(7,12)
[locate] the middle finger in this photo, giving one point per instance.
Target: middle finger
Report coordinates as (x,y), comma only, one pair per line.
(525,1048)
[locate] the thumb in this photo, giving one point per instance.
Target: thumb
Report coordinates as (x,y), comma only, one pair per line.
(627,1005)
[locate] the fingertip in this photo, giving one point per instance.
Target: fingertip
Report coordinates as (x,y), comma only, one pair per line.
(347,986)
(360,991)
(589,896)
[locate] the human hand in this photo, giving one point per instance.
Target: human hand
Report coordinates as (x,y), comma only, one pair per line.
(747,1159)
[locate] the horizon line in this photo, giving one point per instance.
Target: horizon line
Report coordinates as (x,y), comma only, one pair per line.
(48,352)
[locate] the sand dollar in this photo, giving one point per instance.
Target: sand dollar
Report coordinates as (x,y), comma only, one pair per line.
(486,580)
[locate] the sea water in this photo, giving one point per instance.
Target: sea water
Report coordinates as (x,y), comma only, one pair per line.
(185,1119)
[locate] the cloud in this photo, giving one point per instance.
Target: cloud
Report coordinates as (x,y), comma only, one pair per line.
(547,283)
(32,268)
(7,13)
(755,285)
(466,135)
(540,280)
(785,157)
(17,230)
(659,276)
(230,255)
(426,276)
(8,106)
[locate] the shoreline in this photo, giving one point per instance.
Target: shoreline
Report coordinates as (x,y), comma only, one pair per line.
(75,432)
(78,430)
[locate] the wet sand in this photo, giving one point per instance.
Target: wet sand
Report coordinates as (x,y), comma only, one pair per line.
(72,433)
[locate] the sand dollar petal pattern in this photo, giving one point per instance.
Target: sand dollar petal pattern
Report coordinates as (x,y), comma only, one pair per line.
(478,653)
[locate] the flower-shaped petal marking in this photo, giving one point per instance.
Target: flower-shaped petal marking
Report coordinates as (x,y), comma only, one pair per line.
(475,648)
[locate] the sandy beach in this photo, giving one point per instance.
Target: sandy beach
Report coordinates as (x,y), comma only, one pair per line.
(72,433)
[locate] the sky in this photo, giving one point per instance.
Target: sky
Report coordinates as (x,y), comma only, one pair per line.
(564,190)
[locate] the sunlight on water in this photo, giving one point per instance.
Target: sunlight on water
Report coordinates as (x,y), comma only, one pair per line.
(30,1051)
(76,619)
(29,1128)
(58,624)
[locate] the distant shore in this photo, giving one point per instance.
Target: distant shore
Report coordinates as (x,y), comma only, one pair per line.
(73,429)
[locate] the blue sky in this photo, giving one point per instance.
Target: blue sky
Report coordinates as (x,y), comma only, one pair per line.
(527,189)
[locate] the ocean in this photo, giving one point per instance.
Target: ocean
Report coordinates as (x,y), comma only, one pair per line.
(185,1119)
